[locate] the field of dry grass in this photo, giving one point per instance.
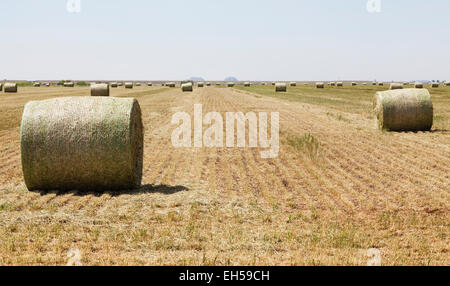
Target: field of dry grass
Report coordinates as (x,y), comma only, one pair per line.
(338,188)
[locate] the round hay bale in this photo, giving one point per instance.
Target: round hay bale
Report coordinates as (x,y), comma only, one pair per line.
(36,84)
(208,84)
(149,84)
(434,85)
(138,84)
(82,143)
(171,84)
(69,84)
(332,83)
(396,85)
(280,87)
(128,85)
(230,84)
(247,84)
(120,84)
(1,86)
(114,85)
(418,85)
(320,85)
(374,83)
(339,84)
(186,87)
(201,84)
(273,83)
(293,84)
(10,87)
(447,83)
(404,110)
(101,89)
(354,84)
(380,84)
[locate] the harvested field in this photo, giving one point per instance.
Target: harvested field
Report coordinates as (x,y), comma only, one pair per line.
(338,187)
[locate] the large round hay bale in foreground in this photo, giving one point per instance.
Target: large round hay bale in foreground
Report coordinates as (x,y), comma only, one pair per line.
(396,85)
(408,109)
(82,143)
(186,87)
(320,85)
(10,87)
(280,87)
(128,85)
(100,89)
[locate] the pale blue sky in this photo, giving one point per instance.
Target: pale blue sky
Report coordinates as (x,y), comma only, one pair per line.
(248,39)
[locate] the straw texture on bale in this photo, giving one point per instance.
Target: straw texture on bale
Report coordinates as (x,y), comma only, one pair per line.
(186,87)
(128,85)
(100,89)
(434,85)
(340,84)
(404,110)
(418,85)
(280,87)
(69,84)
(10,87)
(320,85)
(395,85)
(82,143)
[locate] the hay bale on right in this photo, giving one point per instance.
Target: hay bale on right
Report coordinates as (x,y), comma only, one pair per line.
(404,110)
(100,89)
(128,85)
(82,143)
(320,85)
(10,87)
(447,83)
(280,87)
(418,85)
(187,87)
(396,85)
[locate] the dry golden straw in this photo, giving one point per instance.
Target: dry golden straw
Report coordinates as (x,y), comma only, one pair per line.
(100,89)
(82,143)
(408,109)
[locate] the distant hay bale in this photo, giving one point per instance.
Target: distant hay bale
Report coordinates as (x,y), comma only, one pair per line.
(149,84)
(69,84)
(36,84)
(1,86)
(447,83)
(434,84)
(354,84)
(332,83)
(320,85)
(273,83)
(138,84)
(208,84)
(404,110)
(374,83)
(230,84)
(114,84)
(293,83)
(380,84)
(100,89)
(418,85)
(201,84)
(364,83)
(171,84)
(396,85)
(128,85)
(186,87)
(120,84)
(263,83)
(10,87)
(280,87)
(339,84)
(82,143)
(247,84)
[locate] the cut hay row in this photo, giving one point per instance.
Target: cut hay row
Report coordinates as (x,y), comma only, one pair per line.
(101,89)
(404,110)
(82,143)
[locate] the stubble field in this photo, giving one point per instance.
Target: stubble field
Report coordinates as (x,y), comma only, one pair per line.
(337,188)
